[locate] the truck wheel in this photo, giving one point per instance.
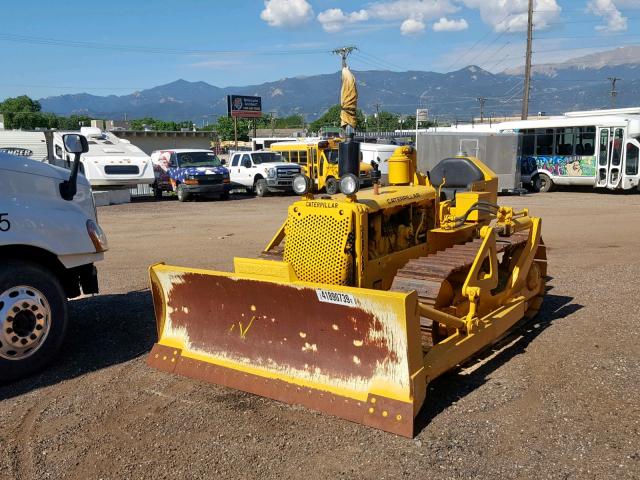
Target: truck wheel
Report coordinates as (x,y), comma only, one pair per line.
(261,187)
(33,318)
(331,186)
(183,195)
(543,183)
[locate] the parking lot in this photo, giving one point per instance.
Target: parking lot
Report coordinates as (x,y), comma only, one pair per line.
(562,401)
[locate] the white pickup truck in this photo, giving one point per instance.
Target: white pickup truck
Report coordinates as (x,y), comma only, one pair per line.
(261,172)
(49,242)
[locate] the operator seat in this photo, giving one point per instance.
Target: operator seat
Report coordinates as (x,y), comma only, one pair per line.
(460,174)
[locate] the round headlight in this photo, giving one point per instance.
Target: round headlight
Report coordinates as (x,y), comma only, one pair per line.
(271,173)
(349,184)
(301,184)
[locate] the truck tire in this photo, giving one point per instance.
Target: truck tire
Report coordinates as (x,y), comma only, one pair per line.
(542,183)
(261,187)
(33,318)
(183,195)
(331,186)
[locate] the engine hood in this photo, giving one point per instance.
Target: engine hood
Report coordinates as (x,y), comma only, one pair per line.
(33,167)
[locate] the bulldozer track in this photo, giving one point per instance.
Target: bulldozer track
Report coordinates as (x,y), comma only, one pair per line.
(426,275)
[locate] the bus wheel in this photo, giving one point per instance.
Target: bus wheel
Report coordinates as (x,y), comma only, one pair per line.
(331,186)
(543,183)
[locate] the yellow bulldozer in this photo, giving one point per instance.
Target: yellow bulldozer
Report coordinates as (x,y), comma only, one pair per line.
(360,299)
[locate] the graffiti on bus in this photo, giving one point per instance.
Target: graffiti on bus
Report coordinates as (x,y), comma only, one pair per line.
(561,166)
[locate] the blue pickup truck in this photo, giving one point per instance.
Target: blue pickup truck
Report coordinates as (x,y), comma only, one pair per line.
(189,173)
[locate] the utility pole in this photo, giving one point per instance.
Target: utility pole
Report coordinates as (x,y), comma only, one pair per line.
(527,65)
(273,123)
(613,92)
(481,100)
(377,105)
(344,52)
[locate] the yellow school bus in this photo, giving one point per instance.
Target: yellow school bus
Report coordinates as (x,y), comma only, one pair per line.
(319,160)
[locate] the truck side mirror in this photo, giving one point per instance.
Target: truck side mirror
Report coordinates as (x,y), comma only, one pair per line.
(246,163)
(76,144)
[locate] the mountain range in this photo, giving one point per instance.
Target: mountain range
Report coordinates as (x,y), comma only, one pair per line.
(579,83)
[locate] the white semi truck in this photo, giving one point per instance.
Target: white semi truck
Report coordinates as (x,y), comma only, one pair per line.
(49,242)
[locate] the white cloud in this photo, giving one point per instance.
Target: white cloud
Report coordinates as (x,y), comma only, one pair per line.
(412,26)
(607,10)
(286,13)
(410,13)
(334,19)
(446,25)
(511,15)
(411,9)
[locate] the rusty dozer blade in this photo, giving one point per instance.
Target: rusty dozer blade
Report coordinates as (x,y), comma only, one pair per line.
(350,352)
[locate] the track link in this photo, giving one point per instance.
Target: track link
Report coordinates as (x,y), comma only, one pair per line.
(426,275)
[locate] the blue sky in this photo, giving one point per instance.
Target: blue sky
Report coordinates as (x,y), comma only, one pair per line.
(119,46)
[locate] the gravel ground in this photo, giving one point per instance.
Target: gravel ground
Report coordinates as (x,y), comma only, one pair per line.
(561,402)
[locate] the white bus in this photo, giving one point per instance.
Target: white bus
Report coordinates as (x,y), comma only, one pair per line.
(601,151)
(110,163)
(595,148)
(263,143)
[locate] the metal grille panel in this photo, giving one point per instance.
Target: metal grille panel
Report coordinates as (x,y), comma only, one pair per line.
(315,247)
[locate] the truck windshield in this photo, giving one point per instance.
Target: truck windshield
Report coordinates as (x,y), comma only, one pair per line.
(266,157)
(332,155)
(198,159)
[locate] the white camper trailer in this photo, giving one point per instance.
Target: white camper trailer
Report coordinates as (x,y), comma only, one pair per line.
(110,163)
(32,145)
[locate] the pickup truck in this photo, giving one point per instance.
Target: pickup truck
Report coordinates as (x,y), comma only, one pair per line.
(189,172)
(49,242)
(262,172)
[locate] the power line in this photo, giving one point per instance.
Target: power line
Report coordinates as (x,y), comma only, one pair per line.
(380,60)
(33,40)
(466,52)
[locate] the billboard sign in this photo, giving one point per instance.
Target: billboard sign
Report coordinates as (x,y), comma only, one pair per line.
(243,106)
(422,115)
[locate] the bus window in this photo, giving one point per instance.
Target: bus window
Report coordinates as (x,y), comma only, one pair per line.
(633,152)
(585,140)
(564,141)
(616,154)
(285,156)
(604,147)
(544,141)
(528,143)
(302,157)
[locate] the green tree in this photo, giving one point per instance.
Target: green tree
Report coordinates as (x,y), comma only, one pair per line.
(331,118)
(23,112)
(159,125)
(224,127)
